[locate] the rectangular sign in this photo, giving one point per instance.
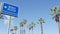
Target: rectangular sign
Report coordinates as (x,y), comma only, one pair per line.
(10,10)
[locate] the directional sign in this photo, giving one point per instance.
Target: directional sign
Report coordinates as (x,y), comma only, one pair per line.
(10,10)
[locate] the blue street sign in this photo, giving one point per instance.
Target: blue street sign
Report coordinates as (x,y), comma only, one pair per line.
(10,10)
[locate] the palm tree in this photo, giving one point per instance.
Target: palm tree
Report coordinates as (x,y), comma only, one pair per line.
(31,26)
(0,15)
(22,23)
(41,20)
(11,30)
(56,15)
(12,33)
(1,4)
(15,28)
(54,10)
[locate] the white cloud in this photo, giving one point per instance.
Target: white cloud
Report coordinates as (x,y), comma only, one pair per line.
(7,22)
(9,17)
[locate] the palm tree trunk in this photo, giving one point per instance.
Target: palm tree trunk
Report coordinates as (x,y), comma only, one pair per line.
(59,27)
(32,30)
(21,29)
(29,31)
(9,24)
(41,29)
(15,32)
(0,15)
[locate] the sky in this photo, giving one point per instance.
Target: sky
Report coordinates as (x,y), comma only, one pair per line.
(32,10)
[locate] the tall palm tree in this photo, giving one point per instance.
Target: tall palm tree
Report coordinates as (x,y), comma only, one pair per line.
(1,4)
(54,10)
(11,30)
(15,28)
(56,16)
(0,15)
(12,33)
(22,23)
(31,26)
(41,20)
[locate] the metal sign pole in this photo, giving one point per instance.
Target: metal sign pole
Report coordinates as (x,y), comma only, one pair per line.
(9,25)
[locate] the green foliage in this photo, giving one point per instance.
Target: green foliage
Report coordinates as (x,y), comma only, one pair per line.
(22,23)
(15,27)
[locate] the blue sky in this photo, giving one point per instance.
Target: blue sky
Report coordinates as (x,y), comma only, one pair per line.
(32,10)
